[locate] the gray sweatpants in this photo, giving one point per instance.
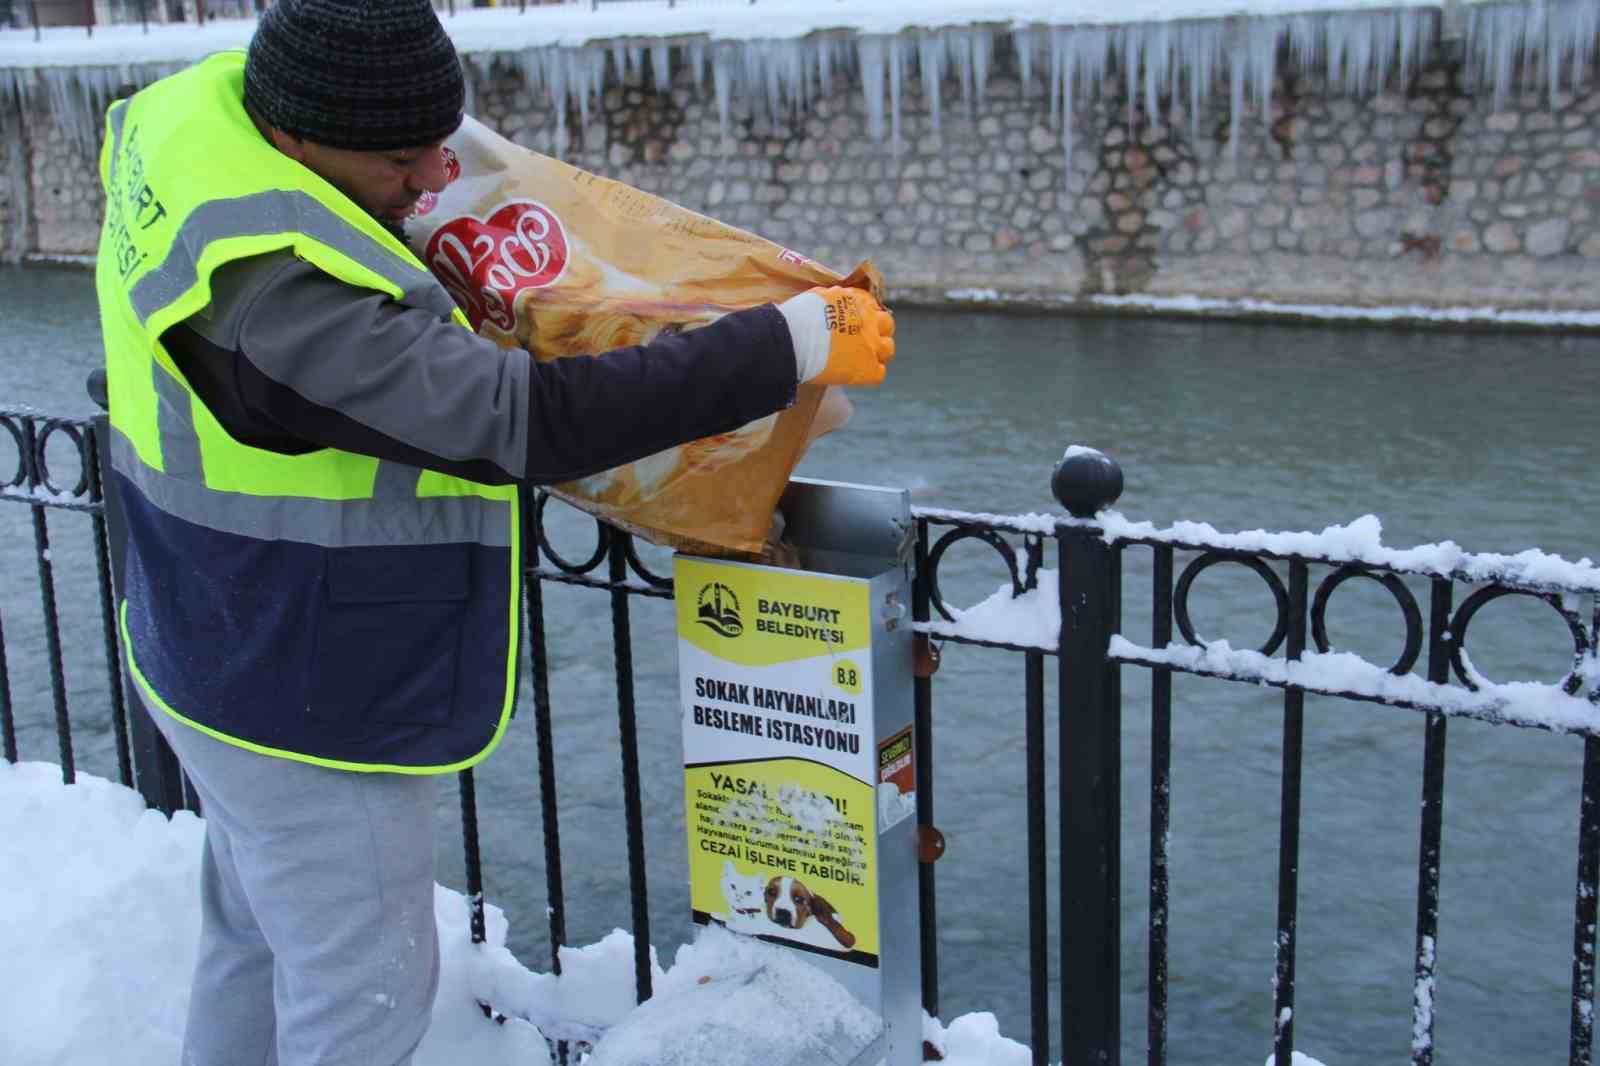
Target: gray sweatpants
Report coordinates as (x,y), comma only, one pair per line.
(317,940)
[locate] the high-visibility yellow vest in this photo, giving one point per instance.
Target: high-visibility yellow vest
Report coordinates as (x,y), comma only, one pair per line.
(327,607)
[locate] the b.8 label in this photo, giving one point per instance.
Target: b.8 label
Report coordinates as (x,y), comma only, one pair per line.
(847,676)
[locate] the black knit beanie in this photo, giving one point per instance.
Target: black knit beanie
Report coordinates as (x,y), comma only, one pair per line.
(359,74)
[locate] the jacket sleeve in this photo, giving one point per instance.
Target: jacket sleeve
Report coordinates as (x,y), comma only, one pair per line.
(290,359)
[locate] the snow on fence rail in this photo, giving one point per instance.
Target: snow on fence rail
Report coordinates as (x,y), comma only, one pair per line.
(1025,614)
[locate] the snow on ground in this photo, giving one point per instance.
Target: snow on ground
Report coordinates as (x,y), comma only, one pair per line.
(101,915)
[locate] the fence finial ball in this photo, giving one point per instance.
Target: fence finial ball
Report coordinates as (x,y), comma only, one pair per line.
(1086,481)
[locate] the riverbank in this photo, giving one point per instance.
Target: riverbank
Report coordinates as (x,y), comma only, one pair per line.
(1470,319)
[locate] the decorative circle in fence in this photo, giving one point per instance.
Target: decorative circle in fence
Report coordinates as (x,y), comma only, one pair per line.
(1397,589)
(601,548)
(650,577)
(20,476)
(41,461)
(1180,596)
(988,536)
(1457,637)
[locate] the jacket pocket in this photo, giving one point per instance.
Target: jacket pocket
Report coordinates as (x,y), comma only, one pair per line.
(389,636)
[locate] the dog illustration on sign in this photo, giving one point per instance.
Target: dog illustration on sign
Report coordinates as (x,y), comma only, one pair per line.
(790,904)
(780,906)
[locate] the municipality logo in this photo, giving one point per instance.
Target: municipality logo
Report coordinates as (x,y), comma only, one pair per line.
(719,610)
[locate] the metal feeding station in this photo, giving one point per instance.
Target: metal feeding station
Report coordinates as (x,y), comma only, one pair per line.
(798,754)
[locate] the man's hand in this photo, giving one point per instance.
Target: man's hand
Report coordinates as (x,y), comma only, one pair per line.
(841,336)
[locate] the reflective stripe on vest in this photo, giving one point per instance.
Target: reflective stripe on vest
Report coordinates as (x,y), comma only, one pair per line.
(271,212)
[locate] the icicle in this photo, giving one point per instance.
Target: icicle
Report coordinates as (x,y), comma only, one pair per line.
(1578,25)
(661,66)
(1080,59)
(1205,47)
(581,64)
(1572,33)
(1174,72)
(597,73)
(1023,44)
(69,100)
(1157,67)
(774,64)
(1334,47)
(1264,35)
(528,67)
(982,44)
(1054,82)
(1307,36)
(556,78)
(1238,66)
(1126,43)
(897,70)
(15,88)
(959,48)
(1415,28)
(722,75)
(870,53)
(697,62)
(777,64)
(1496,36)
(1385,41)
(762,73)
(797,67)
(930,61)
(1066,67)
(826,49)
(805,63)
(747,75)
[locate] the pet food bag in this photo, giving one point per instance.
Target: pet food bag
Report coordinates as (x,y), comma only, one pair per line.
(562,262)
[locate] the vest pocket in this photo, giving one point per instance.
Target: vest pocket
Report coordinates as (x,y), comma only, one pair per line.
(389,636)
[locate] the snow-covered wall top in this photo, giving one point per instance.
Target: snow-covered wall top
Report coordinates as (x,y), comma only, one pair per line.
(576,25)
(776,54)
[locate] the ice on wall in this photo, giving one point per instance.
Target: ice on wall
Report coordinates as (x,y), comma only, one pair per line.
(1183,65)
(78,97)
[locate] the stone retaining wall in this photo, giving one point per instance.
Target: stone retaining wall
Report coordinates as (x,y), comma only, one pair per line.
(1429,194)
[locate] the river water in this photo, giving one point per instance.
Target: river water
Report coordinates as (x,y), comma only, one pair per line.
(1483,439)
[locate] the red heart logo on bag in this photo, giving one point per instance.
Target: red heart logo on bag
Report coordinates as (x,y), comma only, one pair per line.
(485,262)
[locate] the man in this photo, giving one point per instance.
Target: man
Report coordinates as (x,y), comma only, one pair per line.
(318,464)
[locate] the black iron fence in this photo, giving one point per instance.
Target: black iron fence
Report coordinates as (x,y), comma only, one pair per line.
(58,470)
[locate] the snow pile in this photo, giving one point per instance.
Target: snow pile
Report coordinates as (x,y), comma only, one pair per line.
(719,1007)
(102,917)
(1031,619)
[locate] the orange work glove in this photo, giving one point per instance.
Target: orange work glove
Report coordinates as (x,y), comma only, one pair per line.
(841,336)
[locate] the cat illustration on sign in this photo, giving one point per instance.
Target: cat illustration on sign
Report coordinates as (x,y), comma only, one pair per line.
(742,891)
